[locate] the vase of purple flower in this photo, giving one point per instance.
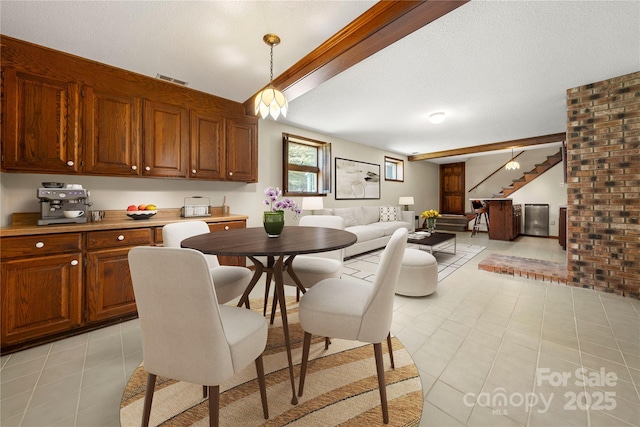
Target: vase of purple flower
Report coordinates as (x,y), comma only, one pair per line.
(273,219)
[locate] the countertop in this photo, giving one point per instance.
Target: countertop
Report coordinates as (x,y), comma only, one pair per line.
(25,224)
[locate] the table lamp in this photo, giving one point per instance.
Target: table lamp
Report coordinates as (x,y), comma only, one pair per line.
(406,201)
(312,204)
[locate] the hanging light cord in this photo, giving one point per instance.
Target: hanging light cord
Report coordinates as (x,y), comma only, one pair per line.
(271,68)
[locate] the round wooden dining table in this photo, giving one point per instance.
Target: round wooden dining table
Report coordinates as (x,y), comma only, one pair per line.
(280,251)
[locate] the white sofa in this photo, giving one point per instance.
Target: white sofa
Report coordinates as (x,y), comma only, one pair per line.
(373,225)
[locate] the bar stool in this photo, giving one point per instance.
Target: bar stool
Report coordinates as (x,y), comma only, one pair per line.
(480,211)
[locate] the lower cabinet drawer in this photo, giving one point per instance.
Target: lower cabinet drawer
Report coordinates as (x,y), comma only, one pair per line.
(119,238)
(43,244)
(222,226)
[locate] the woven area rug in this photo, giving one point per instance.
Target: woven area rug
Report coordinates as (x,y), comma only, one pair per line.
(341,388)
(364,266)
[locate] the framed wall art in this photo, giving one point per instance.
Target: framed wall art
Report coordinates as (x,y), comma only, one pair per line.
(356,180)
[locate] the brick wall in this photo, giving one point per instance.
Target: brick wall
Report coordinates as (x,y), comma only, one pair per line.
(603,189)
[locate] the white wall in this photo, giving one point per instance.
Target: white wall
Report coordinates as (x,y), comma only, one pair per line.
(18,191)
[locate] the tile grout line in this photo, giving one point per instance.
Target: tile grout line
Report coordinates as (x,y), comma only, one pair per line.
(84,364)
(626,365)
(35,386)
(535,376)
(582,367)
(493,363)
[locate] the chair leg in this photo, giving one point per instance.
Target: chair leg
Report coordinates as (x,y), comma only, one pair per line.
(205,392)
(327,342)
(148,399)
(377,349)
(263,387)
(214,405)
(305,358)
(390,347)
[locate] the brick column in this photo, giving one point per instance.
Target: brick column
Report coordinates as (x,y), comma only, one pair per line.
(603,189)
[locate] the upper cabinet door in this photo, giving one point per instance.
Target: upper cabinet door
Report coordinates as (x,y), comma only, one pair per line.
(207,146)
(242,149)
(166,140)
(112,133)
(40,124)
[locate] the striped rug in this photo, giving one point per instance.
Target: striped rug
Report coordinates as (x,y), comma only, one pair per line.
(341,388)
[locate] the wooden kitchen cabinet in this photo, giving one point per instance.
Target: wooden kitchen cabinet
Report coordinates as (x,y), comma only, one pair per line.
(57,284)
(40,123)
(112,128)
(108,281)
(166,140)
(41,286)
(70,115)
(242,149)
(504,219)
(208,147)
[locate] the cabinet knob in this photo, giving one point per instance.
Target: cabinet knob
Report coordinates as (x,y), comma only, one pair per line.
(147,168)
(40,245)
(74,262)
(226,227)
(134,167)
(230,173)
(70,163)
(193,171)
(121,237)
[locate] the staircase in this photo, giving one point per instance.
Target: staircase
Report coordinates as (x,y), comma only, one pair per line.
(448,222)
(531,175)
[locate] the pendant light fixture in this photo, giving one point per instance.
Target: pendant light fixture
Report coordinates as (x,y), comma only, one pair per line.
(271,101)
(512,165)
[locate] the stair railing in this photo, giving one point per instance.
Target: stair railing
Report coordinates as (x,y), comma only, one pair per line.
(494,172)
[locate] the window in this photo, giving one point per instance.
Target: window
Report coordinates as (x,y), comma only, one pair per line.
(307,166)
(393,169)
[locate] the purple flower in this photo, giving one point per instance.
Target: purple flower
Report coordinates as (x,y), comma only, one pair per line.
(273,193)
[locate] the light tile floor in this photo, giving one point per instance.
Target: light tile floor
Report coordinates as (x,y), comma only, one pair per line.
(481,340)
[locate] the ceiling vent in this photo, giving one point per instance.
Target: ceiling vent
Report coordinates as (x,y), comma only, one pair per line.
(172,80)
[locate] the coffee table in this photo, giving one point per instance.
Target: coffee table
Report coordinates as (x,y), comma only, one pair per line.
(432,240)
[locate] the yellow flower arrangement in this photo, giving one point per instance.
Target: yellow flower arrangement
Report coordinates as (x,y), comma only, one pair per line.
(432,213)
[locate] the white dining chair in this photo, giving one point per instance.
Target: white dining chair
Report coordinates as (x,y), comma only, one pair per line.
(186,334)
(230,281)
(312,268)
(357,311)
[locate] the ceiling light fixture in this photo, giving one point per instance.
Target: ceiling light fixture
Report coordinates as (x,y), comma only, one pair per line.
(271,101)
(512,165)
(437,118)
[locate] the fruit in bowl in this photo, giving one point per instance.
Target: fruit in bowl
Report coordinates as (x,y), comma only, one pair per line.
(142,211)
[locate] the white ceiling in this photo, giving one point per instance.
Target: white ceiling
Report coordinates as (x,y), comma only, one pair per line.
(499,69)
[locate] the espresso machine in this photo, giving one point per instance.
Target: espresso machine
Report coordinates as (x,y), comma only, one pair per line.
(56,200)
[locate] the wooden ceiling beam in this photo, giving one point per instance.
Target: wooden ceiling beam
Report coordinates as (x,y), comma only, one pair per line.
(516,143)
(383,24)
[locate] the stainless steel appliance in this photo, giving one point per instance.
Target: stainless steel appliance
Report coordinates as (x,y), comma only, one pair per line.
(54,202)
(536,220)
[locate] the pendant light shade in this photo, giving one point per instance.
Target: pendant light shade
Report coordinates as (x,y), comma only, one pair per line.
(270,101)
(512,165)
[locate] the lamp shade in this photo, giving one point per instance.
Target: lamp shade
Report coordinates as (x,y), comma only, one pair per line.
(312,203)
(405,200)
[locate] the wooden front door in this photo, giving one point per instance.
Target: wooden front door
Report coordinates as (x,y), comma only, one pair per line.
(452,188)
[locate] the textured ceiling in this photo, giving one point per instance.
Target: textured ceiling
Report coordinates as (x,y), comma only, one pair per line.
(500,70)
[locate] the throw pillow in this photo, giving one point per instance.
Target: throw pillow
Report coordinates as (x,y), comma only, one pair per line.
(370,214)
(388,213)
(347,215)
